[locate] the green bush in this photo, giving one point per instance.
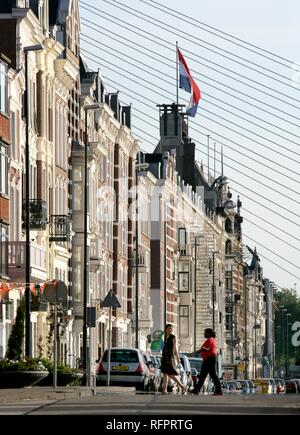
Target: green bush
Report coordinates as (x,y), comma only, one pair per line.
(15,341)
(26,364)
(61,368)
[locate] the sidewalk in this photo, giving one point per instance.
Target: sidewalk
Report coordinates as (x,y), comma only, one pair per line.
(60,393)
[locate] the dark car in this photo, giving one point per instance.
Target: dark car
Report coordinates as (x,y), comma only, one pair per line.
(297,381)
(291,387)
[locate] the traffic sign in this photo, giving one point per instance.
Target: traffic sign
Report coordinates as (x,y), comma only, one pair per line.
(110,301)
(56,292)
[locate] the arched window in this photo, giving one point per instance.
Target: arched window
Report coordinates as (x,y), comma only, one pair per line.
(228,225)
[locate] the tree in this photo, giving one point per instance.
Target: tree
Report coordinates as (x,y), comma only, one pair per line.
(288,299)
(15,342)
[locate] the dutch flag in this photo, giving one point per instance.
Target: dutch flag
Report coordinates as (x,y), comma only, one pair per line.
(187,83)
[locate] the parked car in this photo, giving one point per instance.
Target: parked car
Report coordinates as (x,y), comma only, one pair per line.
(224,386)
(280,386)
(150,365)
(251,386)
(185,374)
(195,374)
(297,381)
(195,363)
(157,372)
(246,389)
(264,385)
(234,386)
(129,366)
(274,386)
(291,387)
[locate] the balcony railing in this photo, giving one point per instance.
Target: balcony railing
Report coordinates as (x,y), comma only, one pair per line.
(185,250)
(37,214)
(142,262)
(60,228)
(17,261)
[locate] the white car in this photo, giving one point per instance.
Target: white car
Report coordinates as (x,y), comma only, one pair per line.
(128,367)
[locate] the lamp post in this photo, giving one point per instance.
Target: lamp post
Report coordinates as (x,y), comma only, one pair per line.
(85,356)
(213,288)
(28,338)
(195,295)
(283,310)
(287,345)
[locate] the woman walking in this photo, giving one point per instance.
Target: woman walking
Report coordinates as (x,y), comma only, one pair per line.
(168,360)
(208,353)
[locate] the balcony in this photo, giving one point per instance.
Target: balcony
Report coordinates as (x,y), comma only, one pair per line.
(60,228)
(185,252)
(37,214)
(142,263)
(17,261)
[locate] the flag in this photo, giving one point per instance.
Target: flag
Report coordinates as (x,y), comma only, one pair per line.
(187,83)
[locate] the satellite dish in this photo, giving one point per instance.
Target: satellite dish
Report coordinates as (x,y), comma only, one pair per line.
(56,292)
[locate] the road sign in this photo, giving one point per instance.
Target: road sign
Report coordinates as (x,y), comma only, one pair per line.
(56,292)
(110,301)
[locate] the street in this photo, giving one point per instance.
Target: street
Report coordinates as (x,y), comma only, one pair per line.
(108,404)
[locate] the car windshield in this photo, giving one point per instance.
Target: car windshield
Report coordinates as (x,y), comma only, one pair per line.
(122,355)
(196,364)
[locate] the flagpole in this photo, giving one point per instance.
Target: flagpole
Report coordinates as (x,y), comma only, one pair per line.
(177,74)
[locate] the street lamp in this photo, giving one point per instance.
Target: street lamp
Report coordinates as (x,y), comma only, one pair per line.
(28,338)
(283,310)
(195,294)
(85,355)
(287,344)
(213,288)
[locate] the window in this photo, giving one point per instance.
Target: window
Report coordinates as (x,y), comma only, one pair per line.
(3,170)
(3,249)
(14,136)
(228,225)
(228,322)
(183,278)
(228,247)
(228,280)
(3,88)
(77,272)
(184,321)
(77,195)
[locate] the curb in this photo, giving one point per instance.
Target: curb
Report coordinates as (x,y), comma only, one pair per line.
(44,393)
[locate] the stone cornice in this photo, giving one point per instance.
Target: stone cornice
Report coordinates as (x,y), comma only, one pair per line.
(66,72)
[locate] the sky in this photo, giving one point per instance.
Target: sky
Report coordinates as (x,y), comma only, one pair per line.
(261,103)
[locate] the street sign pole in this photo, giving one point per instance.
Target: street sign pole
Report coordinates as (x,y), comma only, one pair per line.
(55,348)
(109,347)
(111,302)
(55,292)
